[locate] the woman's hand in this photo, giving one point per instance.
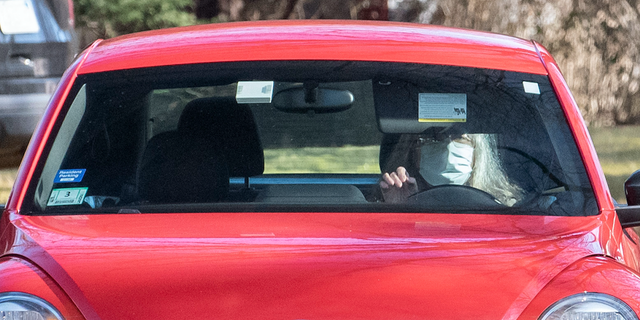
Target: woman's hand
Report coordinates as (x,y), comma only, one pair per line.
(397,186)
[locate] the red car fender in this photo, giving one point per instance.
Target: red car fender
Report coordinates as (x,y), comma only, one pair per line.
(18,275)
(19,246)
(622,246)
(592,274)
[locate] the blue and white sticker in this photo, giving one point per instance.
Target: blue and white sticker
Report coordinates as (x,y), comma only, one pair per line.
(67,196)
(69,175)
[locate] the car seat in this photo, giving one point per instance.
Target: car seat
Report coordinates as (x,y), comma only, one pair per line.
(180,168)
(230,124)
(216,139)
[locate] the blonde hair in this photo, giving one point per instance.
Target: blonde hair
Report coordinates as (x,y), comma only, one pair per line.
(488,174)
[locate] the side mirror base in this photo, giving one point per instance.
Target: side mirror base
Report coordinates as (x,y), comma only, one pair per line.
(632,189)
(629,216)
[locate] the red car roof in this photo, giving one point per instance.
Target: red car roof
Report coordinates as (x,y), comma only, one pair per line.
(315,40)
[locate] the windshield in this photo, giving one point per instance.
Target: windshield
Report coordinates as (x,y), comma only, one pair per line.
(313,136)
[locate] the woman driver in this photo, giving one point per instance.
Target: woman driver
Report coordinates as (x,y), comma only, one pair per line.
(466,159)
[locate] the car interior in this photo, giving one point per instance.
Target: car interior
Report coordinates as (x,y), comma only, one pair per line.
(302,136)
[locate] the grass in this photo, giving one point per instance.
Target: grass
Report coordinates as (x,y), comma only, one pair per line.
(7,176)
(618,149)
(619,153)
(350,159)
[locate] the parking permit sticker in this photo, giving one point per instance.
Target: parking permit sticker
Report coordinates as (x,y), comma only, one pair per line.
(67,196)
(254,91)
(531,87)
(442,107)
(69,175)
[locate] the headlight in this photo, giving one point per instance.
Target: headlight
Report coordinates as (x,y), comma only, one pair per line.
(588,306)
(16,305)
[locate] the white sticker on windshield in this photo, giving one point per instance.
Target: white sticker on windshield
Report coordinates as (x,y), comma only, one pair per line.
(17,16)
(531,87)
(442,107)
(67,196)
(254,91)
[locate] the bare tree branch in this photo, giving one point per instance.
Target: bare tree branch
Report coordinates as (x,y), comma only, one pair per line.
(291,4)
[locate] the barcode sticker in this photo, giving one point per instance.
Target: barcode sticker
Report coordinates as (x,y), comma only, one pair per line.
(442,107)
(67,196)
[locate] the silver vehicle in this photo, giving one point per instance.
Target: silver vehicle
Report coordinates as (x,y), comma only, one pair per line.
(37,43)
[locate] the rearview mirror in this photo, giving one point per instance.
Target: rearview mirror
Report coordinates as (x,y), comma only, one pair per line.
(311,98)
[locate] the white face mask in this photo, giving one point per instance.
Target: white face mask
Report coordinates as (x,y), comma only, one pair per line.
(446,162)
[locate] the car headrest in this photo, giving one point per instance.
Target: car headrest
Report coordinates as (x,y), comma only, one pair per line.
(231,124)
(180,168)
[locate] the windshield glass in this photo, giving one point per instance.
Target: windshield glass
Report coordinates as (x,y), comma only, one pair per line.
(313,136)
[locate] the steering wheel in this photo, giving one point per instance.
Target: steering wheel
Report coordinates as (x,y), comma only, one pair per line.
(530,159)
(457,197)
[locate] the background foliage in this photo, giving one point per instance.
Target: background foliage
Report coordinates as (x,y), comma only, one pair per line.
(110,18)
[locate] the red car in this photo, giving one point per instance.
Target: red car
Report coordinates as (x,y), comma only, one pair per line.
(316,170)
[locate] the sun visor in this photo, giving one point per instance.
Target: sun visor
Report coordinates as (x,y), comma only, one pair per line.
(403,107)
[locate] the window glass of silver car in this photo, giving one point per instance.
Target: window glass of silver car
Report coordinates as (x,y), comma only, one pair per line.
(37,43)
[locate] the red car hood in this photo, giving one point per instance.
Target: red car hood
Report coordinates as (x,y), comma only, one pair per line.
(304,265)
